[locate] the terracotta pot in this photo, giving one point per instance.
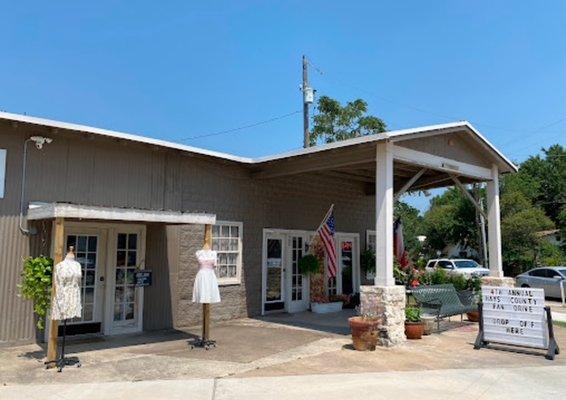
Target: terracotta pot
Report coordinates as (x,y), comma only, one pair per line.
(365,333)
(473,316)
(414,330)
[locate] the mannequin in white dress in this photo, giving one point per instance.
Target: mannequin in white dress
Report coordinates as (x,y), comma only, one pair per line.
(205,289)
(67,300)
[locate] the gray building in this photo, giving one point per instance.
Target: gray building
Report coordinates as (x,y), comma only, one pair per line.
(133,202)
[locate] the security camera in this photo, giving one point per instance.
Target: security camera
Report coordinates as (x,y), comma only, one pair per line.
(40,141)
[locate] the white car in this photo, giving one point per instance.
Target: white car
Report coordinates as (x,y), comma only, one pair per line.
(458,266)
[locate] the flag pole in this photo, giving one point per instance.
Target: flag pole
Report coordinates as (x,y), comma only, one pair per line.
(325,217)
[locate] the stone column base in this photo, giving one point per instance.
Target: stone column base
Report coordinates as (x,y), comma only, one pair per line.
(388,304)
(497,281)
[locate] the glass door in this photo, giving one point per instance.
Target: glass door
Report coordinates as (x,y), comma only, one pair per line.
(89,247)
(274,268)
(348,263)
(126,299)
(298,284)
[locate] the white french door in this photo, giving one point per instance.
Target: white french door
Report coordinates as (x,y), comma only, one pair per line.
(89,246)
(284,287)
(347,247)
(274,259)
(297,283)
(124,313)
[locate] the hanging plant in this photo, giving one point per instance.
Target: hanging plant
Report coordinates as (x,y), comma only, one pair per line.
(36,285)
(309,265)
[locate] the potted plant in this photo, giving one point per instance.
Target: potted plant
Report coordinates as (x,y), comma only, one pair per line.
(474,284)
(365,331)
(310,266)
(414,327)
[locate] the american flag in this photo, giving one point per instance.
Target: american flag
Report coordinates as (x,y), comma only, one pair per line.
(326,232)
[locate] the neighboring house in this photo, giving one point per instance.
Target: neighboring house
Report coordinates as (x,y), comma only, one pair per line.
(130,201)
(460,251)
(552,236)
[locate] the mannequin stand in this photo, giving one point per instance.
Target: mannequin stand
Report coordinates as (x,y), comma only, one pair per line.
(204,341)
(63,361)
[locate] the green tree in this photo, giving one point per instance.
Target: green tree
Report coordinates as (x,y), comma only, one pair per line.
(450,220)
(412,226)
(335,122)
(550,172)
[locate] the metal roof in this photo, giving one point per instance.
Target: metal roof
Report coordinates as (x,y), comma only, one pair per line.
(398,135)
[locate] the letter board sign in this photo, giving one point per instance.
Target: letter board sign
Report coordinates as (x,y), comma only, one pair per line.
(515,316)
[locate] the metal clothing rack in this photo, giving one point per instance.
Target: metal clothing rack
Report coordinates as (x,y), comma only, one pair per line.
(204,341)
(63,361)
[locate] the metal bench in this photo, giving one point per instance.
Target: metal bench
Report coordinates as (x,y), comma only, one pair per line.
(444,301)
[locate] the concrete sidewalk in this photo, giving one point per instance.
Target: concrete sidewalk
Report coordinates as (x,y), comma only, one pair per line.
(485,383)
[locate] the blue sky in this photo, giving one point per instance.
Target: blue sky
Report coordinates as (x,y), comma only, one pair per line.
(179,70)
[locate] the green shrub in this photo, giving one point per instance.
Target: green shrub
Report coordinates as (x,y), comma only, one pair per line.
(413,314)
(460,282)
(36,285)
(367,261)
(309,265)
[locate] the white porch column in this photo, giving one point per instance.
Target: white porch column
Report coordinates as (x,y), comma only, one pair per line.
(494,225)
(385,300)
(384,215)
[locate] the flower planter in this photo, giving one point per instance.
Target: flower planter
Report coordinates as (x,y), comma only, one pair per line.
(473,316)
(414,330)
(324,308)
(365,333)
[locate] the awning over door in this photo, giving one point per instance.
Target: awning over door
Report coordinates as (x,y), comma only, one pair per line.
(38,211)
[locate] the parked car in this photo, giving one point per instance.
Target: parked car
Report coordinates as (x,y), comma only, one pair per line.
(458,266)
(547,278)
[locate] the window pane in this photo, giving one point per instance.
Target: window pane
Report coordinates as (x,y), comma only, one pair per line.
(120,275)
(234,244)
(215,230)
(132,259)
(122,240)
(91,260)
(81,246)
(89,295)
(121,258)
(87,312)
(92,241)
(225,231)
(235,231)
(89,278)
(132,241)
(119,295)
(130,276)
(118,311)
(129,294)
(130,311)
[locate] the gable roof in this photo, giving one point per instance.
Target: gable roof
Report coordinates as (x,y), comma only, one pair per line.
(397,135)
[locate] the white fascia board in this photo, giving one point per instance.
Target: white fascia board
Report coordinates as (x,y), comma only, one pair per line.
(392,135)
(358,140)
(440,163)
(38,211)
(120,135)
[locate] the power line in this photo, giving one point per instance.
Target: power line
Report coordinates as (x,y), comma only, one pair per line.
(434,113)
(240,127)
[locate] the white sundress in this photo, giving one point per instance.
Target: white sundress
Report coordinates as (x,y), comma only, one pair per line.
(205,289)
(67,300)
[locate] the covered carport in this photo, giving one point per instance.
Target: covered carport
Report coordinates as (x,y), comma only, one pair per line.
(390,164)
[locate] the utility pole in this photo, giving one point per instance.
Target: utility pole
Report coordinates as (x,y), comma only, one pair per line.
(308,98)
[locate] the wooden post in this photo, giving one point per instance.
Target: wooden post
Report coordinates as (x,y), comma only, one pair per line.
(206,306)
(58,254)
